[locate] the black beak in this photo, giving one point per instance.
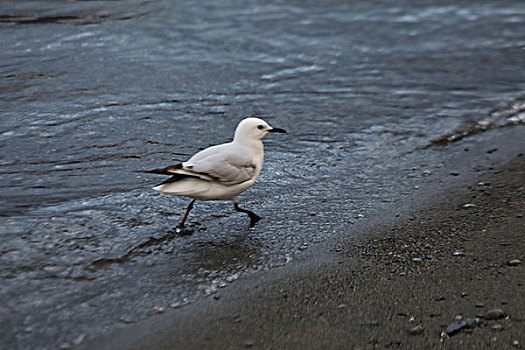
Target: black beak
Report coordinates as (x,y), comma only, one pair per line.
(277,130)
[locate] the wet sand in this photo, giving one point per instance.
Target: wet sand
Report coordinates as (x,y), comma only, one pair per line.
(436,258)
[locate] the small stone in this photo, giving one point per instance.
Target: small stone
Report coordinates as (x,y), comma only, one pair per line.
(481,322)
(454,173)
(159,309)
(464,294)
(427,173)
(479,305)
(471,322)
(469,205)
(514,262)
(458,253)
(417,259)
(249,343)
(455,327)
(78,340)
(126,319)
(216,297)
(515,343)
(342,306)
(429,257)
(416,330)
(439,298)
(494,314)
(497,327)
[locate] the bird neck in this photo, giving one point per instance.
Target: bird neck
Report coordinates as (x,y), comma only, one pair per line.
(251,143)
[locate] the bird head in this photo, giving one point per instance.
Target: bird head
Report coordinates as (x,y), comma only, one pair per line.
(254,129)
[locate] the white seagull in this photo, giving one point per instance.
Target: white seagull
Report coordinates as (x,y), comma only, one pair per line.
(220,172)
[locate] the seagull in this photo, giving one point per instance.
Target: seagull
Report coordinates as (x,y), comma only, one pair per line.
(220,172)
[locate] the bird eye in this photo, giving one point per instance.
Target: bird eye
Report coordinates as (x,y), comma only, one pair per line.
(260,127)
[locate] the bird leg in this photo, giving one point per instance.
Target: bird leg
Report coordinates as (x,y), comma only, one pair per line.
(190,207)
(253,217)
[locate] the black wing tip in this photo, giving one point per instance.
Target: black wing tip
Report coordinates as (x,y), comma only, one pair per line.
(161,171)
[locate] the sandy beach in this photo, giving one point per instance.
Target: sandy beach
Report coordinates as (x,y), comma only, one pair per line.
(433,260)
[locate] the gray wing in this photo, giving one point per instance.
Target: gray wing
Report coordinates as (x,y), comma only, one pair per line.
(228,163)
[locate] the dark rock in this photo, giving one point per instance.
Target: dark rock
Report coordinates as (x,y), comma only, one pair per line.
(455,327)
(465,324)
(481,322)
(494,314)
(393,343)
(471,322)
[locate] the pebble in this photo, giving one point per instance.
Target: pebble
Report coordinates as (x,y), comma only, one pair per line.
(458,253)
(249,343)
(78,340)
(514,262)
(481,322)
(126,319)
(416,330)
(494,314)
(159,309)
(497,327)
(469,205)
(417,259)
(455,327)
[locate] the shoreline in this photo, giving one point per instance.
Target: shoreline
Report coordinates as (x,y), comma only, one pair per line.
(428,262)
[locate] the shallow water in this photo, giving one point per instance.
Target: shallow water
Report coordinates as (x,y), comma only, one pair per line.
(90,91)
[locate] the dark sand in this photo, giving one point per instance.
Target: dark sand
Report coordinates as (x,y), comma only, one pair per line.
(352,293)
